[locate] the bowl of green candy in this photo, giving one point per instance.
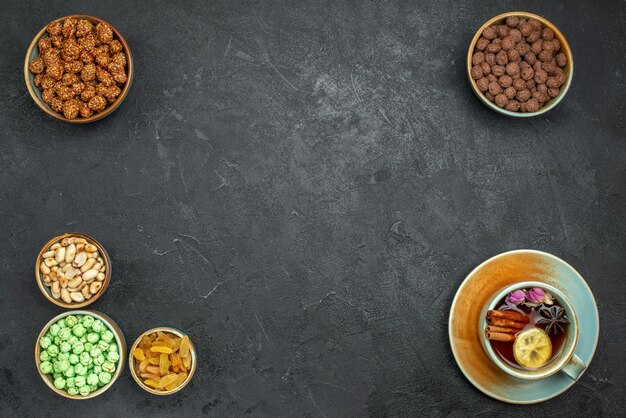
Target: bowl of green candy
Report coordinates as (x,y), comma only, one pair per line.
(80,353)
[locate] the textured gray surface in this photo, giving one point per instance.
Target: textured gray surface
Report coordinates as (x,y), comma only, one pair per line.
(302,187)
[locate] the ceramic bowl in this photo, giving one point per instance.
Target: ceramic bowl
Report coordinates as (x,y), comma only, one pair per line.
(121,345)
(46,290)
(565,48)
(35,93)
(138,379)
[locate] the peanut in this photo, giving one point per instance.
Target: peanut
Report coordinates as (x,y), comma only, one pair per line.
(73,269)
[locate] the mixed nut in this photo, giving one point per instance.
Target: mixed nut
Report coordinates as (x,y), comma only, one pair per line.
(81,67)
(73,269)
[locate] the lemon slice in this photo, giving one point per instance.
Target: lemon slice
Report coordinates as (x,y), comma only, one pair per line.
(532,348)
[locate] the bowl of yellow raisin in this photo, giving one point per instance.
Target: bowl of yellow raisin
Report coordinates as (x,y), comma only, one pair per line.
(163,360)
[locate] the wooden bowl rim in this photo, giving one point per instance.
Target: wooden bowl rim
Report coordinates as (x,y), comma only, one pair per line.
(113,106)
(105,283)
(121,345)
(131,361)
(565,48)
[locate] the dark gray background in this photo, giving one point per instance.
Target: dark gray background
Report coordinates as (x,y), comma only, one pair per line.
(302,186)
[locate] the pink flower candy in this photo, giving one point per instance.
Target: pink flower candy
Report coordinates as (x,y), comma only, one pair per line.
(516,297)
(535,295)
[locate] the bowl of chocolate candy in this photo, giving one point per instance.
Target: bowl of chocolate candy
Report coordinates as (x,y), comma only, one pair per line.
(519,64)
(78,68)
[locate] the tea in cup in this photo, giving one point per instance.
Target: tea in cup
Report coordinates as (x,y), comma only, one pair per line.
(530,331)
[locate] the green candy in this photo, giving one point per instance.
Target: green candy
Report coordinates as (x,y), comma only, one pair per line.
(63,365)
(69,372)
(80,369)
(44,356)
(107,336)
(45,367)
(97,325)
(80,353)
(79,330)
(53,350)
(71,320)
(78,347)
(54,329)
(104,346)
(59,383)
(80,381)
(65,334)
(104,377)
(92,379)
(88,321)
(85,358)
(45,342)
(108,367)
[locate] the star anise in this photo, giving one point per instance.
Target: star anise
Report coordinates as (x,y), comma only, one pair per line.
(553,318)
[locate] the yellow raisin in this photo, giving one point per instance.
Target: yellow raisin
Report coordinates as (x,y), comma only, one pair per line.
(145,343)
(168,380)
(164,365)
(187,362)
(153,370)
(160,349)
(174,359)
(184,346)
(152,383)
(144,363)
(155,361)
(179,381)
(138,353)
(154,377)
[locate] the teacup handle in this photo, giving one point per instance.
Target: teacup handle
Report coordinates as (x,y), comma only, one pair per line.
(574,367)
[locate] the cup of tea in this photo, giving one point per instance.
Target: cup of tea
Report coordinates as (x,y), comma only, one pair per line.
(530,331)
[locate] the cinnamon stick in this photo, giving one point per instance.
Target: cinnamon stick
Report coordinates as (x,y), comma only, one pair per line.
(494,328)
(500,336)
(506,323)
(510,315)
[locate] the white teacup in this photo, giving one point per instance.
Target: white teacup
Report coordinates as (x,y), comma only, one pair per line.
(566,361)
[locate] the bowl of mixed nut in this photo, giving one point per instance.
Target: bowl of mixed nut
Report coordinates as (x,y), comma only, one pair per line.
(519,64)
(78,68)
(73,270)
